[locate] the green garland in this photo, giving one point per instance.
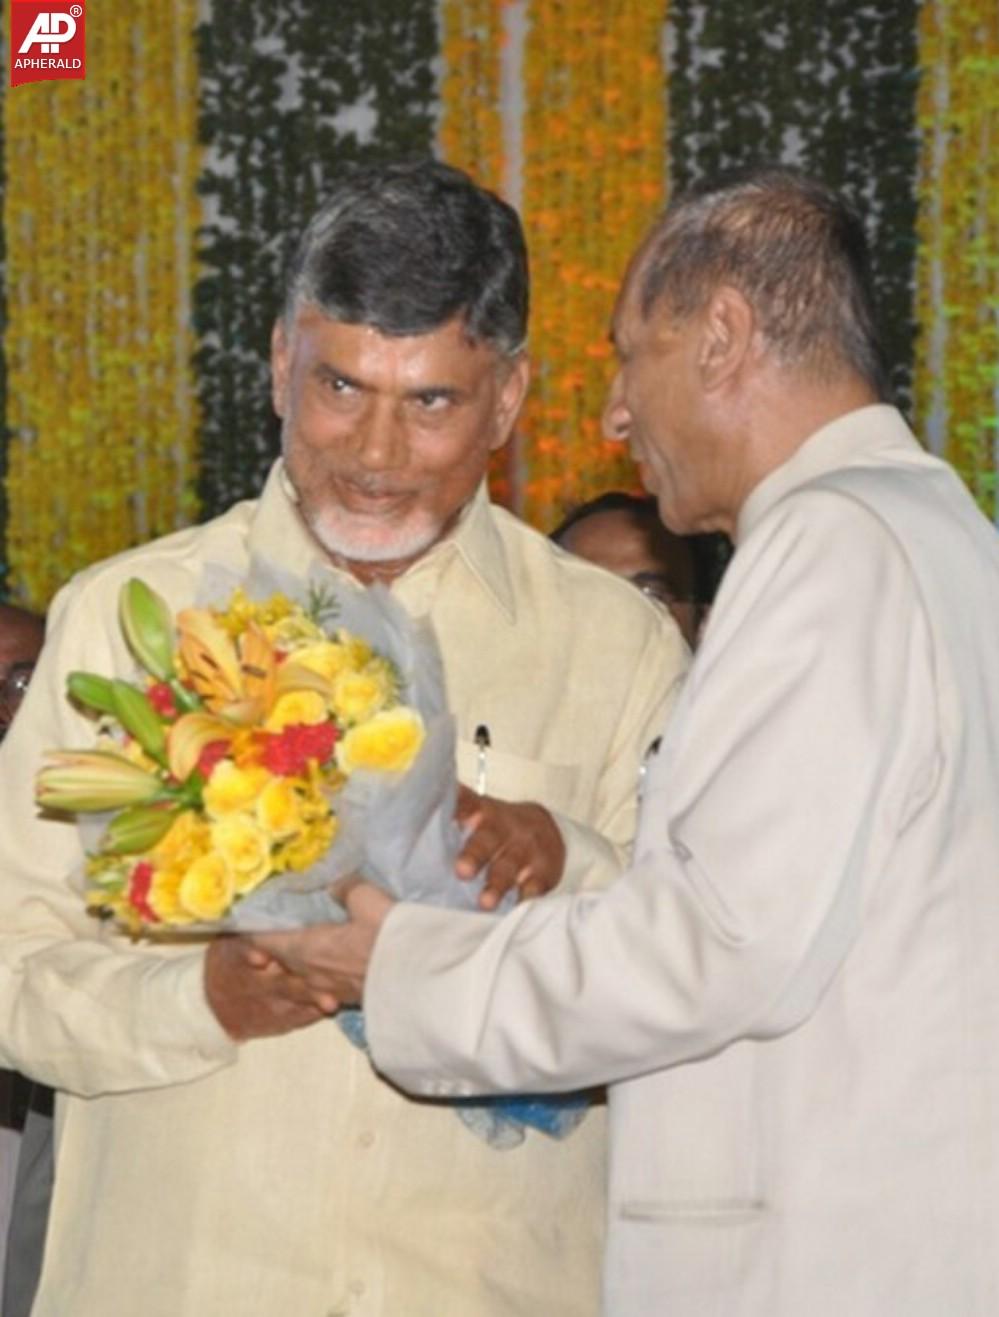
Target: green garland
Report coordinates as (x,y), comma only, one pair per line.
(278,82)
(828,87)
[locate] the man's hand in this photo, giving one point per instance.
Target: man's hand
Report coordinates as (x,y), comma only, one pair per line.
(331,960)
(252,995)
(521,843)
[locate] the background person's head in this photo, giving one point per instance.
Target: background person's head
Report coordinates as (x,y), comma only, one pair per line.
(745,323)
(21,636)
(398,361)
(623,533)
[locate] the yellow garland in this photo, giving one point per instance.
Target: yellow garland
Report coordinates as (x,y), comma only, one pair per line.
(594,176)
(99,215)
(957,366)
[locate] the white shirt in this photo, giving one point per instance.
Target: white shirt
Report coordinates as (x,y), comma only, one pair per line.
(795,990)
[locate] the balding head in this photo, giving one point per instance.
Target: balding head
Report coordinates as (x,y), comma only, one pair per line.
(793,248)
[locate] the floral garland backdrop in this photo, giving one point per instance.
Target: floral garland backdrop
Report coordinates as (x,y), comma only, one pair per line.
(290,95)
(470,133)
(957,374)
(471,129)
(830,88)
(594,176)
(99,404)
(102,407)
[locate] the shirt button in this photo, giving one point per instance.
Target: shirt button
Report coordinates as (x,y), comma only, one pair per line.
(366,1138)
(357,1287)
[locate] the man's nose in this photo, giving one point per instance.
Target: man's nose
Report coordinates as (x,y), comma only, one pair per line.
(616,418)
(381,440)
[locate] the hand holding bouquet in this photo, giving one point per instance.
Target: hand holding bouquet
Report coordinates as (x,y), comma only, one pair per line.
(217,771)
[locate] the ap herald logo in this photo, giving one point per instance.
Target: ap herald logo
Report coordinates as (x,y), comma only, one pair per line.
(45,42)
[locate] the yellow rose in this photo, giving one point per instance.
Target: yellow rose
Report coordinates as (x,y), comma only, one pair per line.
(245,848)
(186,840)
(358,696)
(230,788)
(386,743)
(207,888)
(279,810)
(164,895)
(328,659)
(296,707)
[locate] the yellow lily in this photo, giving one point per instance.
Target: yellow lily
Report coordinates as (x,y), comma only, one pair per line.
(209,657)
(188,737)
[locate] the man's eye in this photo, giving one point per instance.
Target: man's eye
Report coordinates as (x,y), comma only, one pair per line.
(433,402)
(339,385)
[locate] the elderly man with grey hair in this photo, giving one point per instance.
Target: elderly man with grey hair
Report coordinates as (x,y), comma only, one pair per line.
(222,1147)
(794,992)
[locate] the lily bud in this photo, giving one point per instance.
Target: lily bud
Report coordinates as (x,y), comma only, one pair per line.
(90,689)
(88,781)
(138,717)
(138,828)
(148,628)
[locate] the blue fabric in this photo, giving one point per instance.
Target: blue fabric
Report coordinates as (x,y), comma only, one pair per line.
(501,1121)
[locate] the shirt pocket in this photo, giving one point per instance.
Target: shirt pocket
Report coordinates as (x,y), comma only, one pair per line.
(513,777)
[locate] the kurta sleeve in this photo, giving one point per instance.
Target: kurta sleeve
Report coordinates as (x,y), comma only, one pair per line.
(805,741)
(81,1007)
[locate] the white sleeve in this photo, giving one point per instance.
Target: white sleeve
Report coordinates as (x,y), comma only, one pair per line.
(802,745)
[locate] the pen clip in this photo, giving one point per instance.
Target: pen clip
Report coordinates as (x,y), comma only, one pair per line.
(482,743)
(644,768)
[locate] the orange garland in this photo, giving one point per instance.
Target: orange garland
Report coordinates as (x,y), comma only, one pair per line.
(471,132)
(594,177)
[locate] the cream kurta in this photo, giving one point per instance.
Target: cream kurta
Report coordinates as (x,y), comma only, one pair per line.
(283,1178)
(797,985)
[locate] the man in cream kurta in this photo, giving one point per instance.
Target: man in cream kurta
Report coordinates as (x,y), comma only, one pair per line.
(794,992)
(279,1176)
(195,1177)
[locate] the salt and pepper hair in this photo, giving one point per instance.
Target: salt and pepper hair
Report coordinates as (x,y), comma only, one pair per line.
(791,246)
(407,247)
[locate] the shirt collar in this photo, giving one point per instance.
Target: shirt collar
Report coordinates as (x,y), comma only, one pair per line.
(280,534)
(846,441)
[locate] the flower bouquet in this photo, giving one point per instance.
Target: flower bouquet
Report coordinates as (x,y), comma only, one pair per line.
(213,795)
(268,747)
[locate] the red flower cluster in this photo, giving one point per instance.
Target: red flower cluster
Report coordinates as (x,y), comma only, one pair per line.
(160,696)
(288,753)
(210,756)
(141,880)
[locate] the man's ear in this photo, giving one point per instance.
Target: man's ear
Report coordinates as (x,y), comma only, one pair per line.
(728,329)
(280,366)
(512,392)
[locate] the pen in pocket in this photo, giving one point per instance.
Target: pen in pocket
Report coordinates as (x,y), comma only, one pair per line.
(482,743)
